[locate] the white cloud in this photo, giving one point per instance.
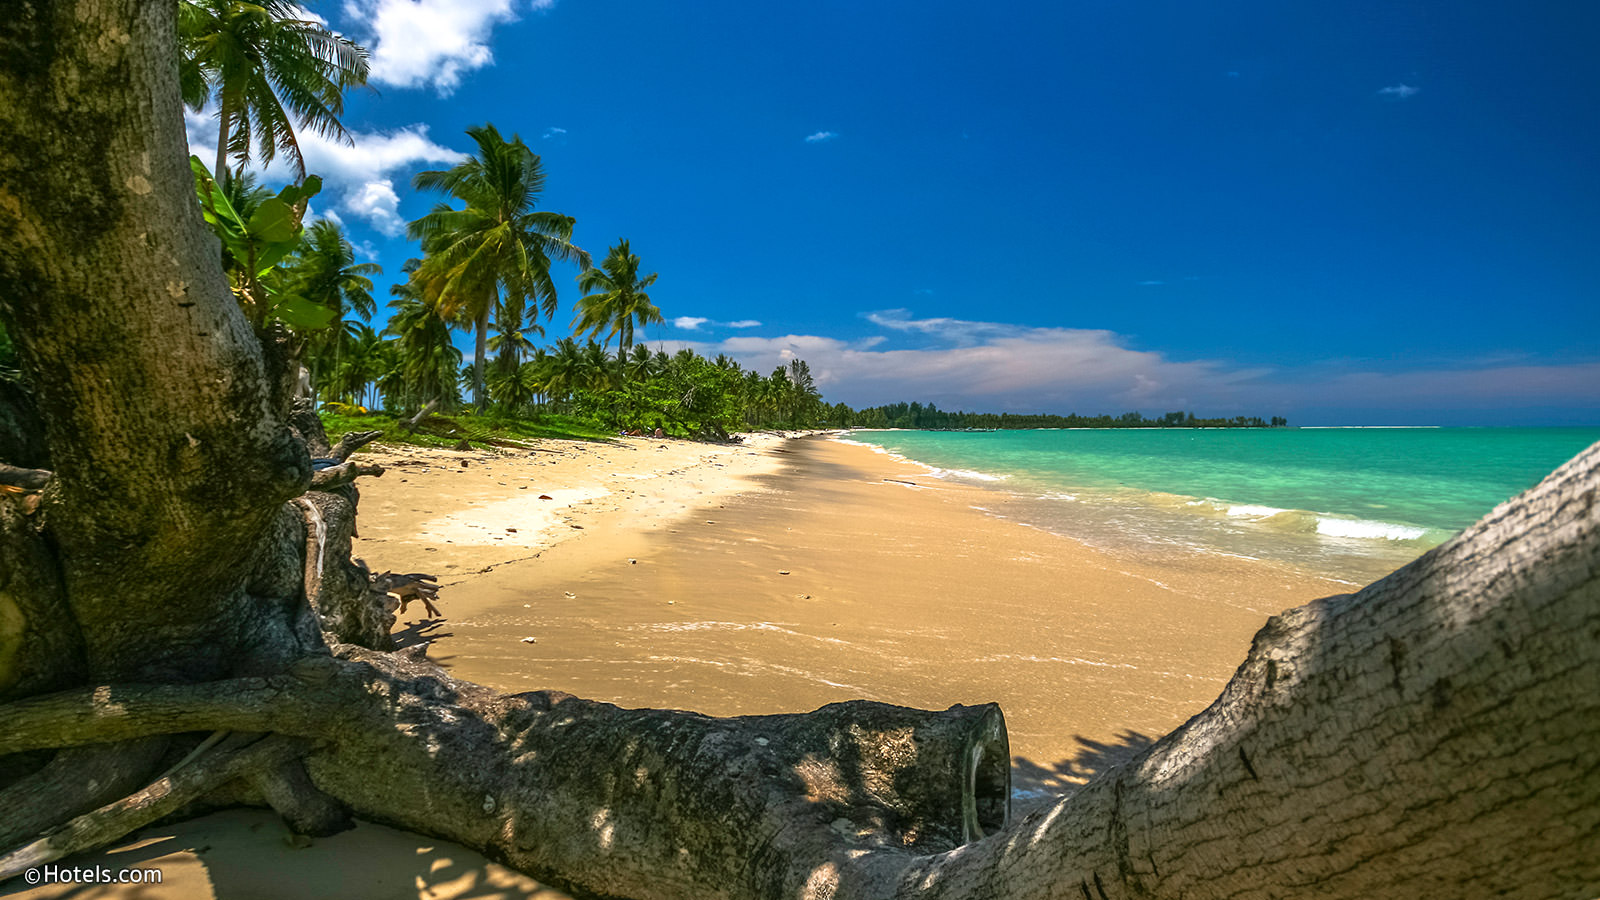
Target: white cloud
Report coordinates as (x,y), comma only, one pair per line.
(999,367)
(377,202)
(694,323)
(553,131)
(357,179)
(431,43)
(821,136)
(1397,92)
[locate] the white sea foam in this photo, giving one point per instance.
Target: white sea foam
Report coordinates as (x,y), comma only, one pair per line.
(967,473)
(1258,512)
(1057,495)
(1366,528)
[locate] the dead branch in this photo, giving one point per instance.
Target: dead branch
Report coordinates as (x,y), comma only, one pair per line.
(107,713)
(23,480)
(406,588)
(343,473)
(233,758)
(410,425)
(351,442)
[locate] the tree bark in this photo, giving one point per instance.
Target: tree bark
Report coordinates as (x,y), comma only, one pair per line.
(1432,735)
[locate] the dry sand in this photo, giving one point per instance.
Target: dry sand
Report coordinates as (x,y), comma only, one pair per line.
(764,578)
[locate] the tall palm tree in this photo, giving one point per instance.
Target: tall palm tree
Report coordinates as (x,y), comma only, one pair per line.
(426,357)
(496,248)
(358,365)
(325,272)
(617,300)
(263,63)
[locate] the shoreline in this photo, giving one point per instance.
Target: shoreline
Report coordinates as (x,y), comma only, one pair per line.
(847,574)
(1139,523)
(773,576)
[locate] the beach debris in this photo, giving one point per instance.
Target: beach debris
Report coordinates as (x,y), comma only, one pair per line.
(527,606)
(530,640)
(632,561)
(783,571)
(512,530)
(570,595)
(546,497)
(579,527)
(463,463)
(805,596)
(898,481)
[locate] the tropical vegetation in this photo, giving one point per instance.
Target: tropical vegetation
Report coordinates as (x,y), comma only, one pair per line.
(495,251)
(262,64)
(487,252)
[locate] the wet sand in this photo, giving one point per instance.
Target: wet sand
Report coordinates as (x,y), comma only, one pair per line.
(767,578)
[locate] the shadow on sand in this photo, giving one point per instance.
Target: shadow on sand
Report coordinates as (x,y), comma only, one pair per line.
(1034,784)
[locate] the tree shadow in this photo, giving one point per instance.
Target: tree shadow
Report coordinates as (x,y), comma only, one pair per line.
(1034,783)
(245,854)
(420,632)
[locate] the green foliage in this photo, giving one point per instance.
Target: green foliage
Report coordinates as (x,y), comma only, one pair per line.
(496,250)
(255,242)
(447,431)
(263,63)
(617,300)
(916,415)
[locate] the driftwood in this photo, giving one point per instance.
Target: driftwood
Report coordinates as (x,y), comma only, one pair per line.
(406,588)
(410,425)
(19,480)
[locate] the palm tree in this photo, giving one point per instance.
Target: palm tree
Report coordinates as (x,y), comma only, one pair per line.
(514,388)
(359,364)
(426,359)
(564,369)
(619,299)
(496,248)
(511,343)
(326,272)
(263,63)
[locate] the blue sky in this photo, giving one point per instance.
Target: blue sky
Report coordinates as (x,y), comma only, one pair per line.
(1355,213)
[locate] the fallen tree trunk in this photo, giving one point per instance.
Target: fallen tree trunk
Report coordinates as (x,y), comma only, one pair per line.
(1432,735)
(1429,736)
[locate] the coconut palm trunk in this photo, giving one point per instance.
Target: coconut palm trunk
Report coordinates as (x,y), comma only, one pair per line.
(480,353)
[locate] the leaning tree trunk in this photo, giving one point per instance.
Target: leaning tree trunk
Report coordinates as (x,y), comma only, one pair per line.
(1432,735)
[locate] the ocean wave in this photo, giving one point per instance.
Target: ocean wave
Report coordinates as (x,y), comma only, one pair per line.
(1366,528)
(966,473)
(1241,510)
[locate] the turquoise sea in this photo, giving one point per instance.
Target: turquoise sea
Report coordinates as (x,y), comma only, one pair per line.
(1351,503)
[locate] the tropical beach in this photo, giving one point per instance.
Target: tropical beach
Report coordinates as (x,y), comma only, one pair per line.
(776,575)
(537,449)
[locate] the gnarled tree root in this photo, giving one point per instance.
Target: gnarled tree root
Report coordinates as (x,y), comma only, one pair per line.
(555,785)
(236,756)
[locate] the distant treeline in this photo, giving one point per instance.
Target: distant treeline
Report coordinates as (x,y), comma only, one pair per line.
(917,415)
